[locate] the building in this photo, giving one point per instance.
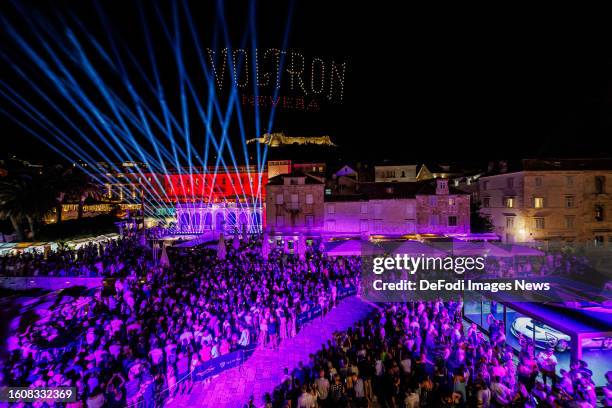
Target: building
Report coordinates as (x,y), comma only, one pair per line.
(546,200)
(294,205)
(396,173)
(396,209)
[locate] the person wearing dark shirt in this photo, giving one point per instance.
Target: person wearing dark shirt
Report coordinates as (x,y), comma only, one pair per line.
(337,393)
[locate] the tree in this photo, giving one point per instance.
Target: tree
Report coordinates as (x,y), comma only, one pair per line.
(13,194)
(478,222)
(26,197)
(72,186)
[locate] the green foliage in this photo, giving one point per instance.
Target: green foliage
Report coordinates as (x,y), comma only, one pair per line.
(479,223)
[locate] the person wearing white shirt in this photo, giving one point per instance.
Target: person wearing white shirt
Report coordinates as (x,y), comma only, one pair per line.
(412,399)
(306,400)
(245,337)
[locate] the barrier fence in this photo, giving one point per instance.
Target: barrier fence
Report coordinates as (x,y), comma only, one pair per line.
(217,365)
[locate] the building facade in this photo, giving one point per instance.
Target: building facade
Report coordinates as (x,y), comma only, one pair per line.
(395,173)
(294,205)
(297,205)
(549,200)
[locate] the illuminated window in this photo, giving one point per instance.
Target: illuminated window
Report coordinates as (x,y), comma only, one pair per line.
(599,213)
(509,202)
(539,222)
(538,202)
(486,202)
(451,201)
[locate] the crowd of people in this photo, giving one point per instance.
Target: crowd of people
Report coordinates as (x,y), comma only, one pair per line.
(138,341)
(421,354)
(120,257)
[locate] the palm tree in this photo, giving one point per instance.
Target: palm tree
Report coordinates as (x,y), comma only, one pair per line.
(72,185)
(13,197)
(41,199)
(26,197)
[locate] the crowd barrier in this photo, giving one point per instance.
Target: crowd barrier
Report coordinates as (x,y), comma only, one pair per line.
(218,365)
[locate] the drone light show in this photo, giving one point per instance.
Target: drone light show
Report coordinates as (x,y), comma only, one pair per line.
(172,119)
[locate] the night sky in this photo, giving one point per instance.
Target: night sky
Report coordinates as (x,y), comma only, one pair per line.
(418,85)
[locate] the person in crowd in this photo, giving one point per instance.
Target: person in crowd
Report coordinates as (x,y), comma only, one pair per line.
(459,369)
(138,340)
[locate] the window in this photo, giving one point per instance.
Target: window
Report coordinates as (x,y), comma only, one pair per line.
(569,181)
(410,227)
(538,202)
(451,201)
(434,220)
(486,202)
(279,199)
(433,200)
(538,181)
(377,210)
(599,240)
(363,225)
(378,226)
(330,225)
(309,199)
(328,191)
(509,202)
(295,198)
(280,220)
(600,183)
(485,185)
(309,221)
(599,213)
(364,208)
(510,182)
(452,221)
(510,222)
(403,174)
(570,201)
(539,222)
(569,221)
(331,209)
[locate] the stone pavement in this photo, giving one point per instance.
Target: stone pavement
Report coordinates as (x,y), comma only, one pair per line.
(264,369)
